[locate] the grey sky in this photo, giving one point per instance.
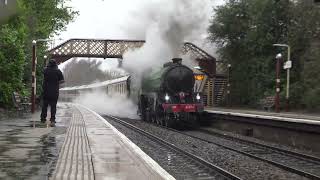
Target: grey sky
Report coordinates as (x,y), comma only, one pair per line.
(109,19)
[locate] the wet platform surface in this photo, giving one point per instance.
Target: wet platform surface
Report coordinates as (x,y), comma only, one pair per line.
(27,152)
(81,146)
(282,116)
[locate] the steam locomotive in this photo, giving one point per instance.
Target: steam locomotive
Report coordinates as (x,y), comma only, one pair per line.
(167,95)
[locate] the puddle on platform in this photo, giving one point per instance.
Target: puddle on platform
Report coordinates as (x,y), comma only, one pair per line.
(27,152)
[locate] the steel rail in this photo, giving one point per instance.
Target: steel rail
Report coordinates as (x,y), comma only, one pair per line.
(283,166)
(283,151)
(209,165)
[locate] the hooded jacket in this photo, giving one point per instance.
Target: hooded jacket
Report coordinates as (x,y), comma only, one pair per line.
(52,77)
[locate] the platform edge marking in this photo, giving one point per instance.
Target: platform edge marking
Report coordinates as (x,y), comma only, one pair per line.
(150,162)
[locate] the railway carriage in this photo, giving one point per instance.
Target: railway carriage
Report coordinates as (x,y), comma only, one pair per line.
(115,86)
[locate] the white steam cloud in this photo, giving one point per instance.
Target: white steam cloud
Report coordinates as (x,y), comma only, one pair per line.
(168,24)
(116,105)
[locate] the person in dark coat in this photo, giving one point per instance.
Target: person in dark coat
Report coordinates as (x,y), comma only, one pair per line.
(53,77)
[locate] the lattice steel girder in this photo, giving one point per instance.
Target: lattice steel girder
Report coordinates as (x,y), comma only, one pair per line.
(95,48)
(98,48)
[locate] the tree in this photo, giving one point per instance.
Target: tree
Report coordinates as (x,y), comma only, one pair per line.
(43,18)
(305,39)
(36,19)
(245,30)
(11,62)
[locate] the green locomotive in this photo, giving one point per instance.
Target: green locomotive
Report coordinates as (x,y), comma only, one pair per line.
(167,95)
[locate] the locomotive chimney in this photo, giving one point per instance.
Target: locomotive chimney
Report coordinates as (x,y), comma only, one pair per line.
(177,60)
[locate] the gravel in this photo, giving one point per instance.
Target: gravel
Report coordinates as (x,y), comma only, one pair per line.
(252,139)
(262,152)
(236,163)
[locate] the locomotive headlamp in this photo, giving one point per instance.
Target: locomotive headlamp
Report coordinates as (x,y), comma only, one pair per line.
(166,97)
(198,97)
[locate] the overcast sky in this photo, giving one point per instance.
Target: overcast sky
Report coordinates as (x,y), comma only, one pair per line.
(110,19)
(117,19)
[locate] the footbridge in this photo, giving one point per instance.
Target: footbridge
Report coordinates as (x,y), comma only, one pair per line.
(106,48)
(99,48)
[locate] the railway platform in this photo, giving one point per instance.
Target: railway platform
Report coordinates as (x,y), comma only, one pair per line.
(300,131)
(82,145)
(283,116)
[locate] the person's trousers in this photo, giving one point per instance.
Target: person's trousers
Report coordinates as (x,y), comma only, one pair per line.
(53,106)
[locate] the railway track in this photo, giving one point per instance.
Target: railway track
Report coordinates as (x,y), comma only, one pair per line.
(302,164)
(280,150)
(298,163)
(201,168)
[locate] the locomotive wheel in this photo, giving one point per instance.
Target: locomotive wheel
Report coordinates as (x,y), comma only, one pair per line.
(159,118)
(163,120)
(143,116)
(148,116)
(159,114)
(143,109)
(168,121)
(153,118)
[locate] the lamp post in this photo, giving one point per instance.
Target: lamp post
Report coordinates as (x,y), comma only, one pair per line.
(33,80)
(45,57)
(287,66)
(33,74)
(228,85)
(277,99)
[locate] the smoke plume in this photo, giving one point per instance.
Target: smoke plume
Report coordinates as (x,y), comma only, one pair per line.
(168,24)
(165,24)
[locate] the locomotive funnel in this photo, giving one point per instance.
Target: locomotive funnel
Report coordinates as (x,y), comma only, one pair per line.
(177,60)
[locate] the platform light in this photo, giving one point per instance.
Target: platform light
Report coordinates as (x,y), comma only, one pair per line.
(279,56)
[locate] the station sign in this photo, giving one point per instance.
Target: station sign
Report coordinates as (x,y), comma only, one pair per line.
(287,65)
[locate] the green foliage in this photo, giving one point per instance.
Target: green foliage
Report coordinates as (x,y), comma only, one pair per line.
(245,31)
(44,18)
(37,19)
(11,62)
